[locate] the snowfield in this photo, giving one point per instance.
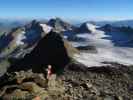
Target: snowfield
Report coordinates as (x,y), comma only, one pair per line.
(20,38)
(107,51)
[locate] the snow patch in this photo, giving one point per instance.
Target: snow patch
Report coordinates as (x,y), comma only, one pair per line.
(19,38)
(46,28)
(119,55)
(91,27)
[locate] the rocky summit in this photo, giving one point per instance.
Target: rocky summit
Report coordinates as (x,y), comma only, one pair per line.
(77,82)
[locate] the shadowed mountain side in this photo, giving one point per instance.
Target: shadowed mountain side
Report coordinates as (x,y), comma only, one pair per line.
(49,50)
(60,25)
(84,28)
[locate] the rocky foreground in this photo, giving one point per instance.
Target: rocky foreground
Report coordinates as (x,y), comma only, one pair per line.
(77,82)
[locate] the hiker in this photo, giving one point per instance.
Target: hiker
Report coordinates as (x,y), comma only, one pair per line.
(49,71)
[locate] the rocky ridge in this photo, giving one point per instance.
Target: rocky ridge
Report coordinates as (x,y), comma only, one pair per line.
(76,83)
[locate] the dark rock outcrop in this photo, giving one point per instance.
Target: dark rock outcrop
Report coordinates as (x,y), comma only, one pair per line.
(52,49)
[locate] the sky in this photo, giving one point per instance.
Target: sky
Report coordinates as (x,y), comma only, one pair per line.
(68,9)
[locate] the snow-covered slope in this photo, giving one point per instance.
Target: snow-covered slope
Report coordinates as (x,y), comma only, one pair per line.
(46,28)
(91,27)
(107,51)
(19,38)
(23,35)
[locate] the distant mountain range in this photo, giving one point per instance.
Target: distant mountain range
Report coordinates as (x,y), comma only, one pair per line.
(22,39)
(6,25)
(36,41)
(30,32)
(116,23)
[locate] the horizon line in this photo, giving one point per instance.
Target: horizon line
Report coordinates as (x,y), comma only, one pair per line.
(70,18)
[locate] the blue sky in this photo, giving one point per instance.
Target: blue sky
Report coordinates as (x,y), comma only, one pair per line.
(69,9)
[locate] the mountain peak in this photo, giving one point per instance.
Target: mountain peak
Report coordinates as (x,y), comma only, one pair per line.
(59,25)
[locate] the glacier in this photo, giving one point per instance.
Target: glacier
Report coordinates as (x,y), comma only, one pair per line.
(107,50)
